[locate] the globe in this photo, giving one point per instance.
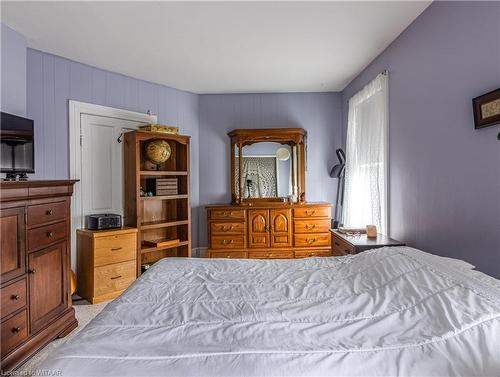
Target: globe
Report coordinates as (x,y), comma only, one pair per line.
(158,151)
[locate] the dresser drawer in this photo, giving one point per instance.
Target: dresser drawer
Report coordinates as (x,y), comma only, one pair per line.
(44,213)
(307,212)
(340,247)
(227,228)
(314,253)
(47,234)
(227,214)
(14,332)
(13,297)
(228,254)
(312,226)
(114,249)
(270,255)
(319,239)
(228,242)
(113,278)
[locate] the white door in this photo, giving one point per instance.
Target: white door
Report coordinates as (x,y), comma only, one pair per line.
(102,179)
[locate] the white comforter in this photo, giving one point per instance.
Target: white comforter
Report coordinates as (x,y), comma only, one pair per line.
(391,311)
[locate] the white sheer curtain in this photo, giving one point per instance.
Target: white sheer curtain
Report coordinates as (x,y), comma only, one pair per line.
(366,174)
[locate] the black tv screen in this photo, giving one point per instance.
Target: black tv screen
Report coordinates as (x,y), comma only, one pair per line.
(16,144)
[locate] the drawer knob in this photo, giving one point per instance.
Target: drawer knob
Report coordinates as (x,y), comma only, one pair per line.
(269,255)
(309,227)
(228,256)
(15,297)
(310,213)
(15,330)
(116,248)
(226,242)
(311,240)
(226,229)
(49,212)
(31,271)
(116,277)
(50,234)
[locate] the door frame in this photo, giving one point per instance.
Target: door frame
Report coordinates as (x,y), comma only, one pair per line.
(76,110)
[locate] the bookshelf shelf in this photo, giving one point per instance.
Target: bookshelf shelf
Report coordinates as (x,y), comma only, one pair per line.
(164,197)
(162,224)
(155,173)
(149,249)
(162,216)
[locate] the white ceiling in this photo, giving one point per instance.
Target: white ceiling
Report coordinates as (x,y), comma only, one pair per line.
(218,47)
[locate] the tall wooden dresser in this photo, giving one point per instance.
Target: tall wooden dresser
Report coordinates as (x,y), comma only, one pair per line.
(35,265)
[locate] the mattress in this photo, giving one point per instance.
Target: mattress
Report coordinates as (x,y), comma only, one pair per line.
(384,312)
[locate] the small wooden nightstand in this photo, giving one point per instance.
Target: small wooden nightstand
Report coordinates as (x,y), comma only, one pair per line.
(343,245)
(107,262)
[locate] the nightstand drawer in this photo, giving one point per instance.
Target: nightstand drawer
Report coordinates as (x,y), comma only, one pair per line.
(313,240)
(114,278)
(13,297)
(228,254)
(115,249)
(340,247)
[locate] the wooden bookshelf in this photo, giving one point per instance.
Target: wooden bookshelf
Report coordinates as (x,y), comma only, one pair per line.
(162,216)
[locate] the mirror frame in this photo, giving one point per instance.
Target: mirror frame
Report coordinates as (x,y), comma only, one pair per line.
(294,137)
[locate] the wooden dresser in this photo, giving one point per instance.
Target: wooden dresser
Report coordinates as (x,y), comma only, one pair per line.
(107,262)
(269,230)
(35,265)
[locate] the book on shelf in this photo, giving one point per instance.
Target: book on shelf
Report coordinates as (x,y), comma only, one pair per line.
(162,186)
(161,242)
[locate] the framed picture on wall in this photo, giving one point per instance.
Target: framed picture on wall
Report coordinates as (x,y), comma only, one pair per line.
(487,109)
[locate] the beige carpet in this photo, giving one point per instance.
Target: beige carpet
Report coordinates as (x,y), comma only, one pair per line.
(84,314)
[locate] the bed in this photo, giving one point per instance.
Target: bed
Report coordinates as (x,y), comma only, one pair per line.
(389,311)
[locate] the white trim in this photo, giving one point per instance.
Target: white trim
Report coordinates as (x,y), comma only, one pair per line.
(76,110)
(387,152)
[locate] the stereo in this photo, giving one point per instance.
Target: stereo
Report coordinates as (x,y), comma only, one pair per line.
(104,221)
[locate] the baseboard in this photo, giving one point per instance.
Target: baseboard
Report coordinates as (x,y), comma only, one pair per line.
(199,252)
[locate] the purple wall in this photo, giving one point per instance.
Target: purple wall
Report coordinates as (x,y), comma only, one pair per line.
(53,80)
(444,175)
(318,113)
(13,73)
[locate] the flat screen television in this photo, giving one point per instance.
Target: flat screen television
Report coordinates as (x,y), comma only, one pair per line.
(16,146)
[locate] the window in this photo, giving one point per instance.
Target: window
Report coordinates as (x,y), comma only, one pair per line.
(366,175)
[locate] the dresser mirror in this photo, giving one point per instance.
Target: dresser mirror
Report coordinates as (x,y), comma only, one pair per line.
(272,162)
